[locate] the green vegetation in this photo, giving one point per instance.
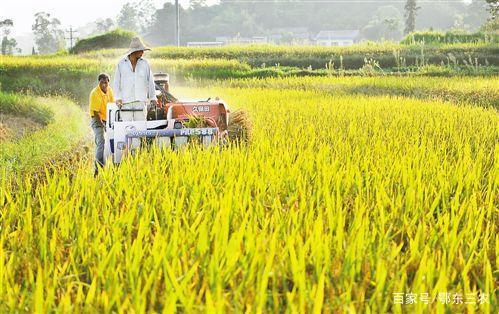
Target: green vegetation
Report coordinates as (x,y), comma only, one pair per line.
(66,126)
(387,56)
(25,106)
(283,23)
(450,37)
(74,76)
(115,39)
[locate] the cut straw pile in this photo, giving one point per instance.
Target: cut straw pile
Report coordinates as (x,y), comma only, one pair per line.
(240,127)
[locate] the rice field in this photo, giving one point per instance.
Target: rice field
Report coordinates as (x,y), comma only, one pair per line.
(387,54)
(340,204)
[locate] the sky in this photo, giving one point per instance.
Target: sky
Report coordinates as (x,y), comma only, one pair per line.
(69,12)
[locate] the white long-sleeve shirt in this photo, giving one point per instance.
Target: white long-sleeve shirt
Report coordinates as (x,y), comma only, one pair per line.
(132,86)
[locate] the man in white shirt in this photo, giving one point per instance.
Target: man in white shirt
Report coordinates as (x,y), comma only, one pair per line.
(133,79)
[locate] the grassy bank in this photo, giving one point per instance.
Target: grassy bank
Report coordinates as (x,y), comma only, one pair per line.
(25,106)
(66,128)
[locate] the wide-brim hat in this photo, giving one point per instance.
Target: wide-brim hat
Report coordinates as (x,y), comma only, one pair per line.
(136,45)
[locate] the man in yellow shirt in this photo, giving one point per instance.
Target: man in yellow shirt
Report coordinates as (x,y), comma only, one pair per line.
(99,97)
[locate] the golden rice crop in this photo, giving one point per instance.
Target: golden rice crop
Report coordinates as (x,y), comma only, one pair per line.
(481,92)
(337,203)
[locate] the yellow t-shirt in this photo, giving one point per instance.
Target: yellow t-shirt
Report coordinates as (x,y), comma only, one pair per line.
(98,101)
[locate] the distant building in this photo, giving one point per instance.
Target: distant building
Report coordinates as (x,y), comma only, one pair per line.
(337,38)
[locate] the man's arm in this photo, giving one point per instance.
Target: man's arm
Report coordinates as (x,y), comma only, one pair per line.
(117,85)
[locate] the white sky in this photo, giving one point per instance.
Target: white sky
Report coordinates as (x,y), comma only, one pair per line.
(69,12)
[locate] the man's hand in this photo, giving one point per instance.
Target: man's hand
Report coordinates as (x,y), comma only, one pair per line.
(99,119)
(119,102)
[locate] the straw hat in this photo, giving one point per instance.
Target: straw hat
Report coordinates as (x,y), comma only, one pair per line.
(136,45)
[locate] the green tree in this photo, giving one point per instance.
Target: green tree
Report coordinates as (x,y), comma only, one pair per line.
(145,12)
(386,24)
(411,9)
(8,44)
(127,19)
(162,31)
(137,16)
(104,26)
(493,21)
(200,22)
(49,37)
(476,14)
(195,4)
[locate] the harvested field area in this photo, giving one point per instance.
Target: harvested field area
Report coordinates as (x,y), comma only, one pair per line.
(14,127)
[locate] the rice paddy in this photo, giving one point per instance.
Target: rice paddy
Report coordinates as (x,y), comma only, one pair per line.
(340,203)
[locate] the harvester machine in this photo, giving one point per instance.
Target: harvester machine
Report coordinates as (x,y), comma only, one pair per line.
(170,123)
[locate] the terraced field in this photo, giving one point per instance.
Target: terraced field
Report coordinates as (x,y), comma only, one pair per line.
(352,190)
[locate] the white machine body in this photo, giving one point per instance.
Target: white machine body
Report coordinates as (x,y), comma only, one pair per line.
(126,128)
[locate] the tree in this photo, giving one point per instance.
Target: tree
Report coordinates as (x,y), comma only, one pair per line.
(493,7)
(200,22)
(8,46)
(476,14)
(162,30)
(6,25)
(49,37)
(493,21)
(104,26)
(386,24)
(196,4)
(136,16)
(411,9)
(146,14)
(127,19)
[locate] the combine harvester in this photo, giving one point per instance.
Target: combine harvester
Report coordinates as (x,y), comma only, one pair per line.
(171,124)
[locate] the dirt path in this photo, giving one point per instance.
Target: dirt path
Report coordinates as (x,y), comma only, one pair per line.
(14,127)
